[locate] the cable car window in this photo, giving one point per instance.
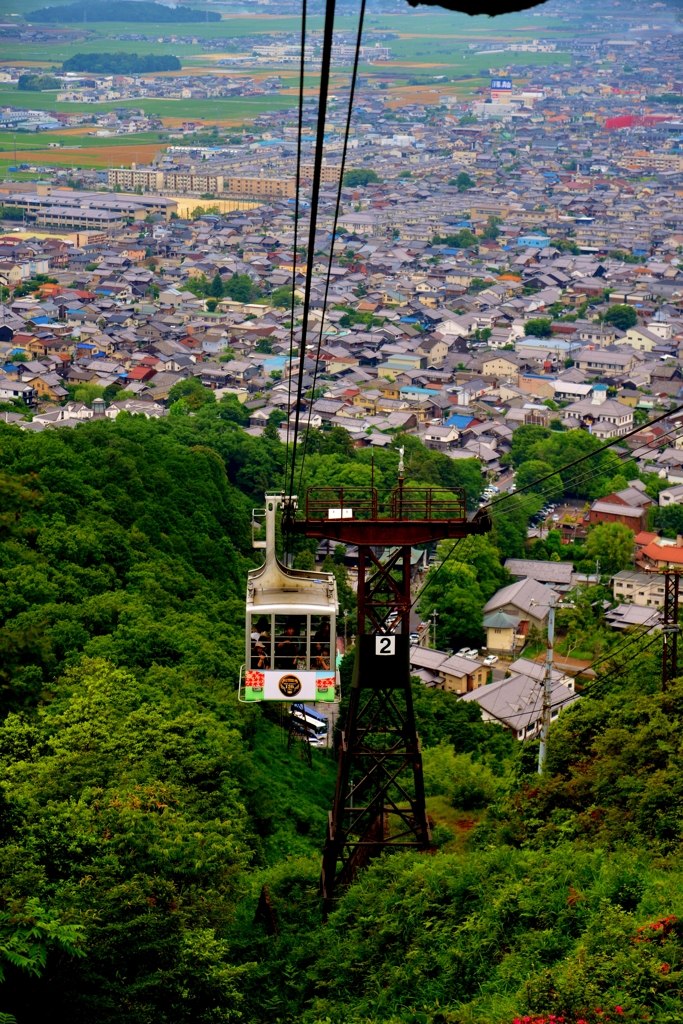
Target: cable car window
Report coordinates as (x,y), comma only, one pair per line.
(291,636)
(320,642)
(261,641)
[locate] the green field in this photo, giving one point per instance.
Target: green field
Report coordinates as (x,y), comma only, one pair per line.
(31,142)
(230,108)
(437,39)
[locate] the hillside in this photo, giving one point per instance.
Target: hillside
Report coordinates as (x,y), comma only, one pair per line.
(143,811)
(105,10)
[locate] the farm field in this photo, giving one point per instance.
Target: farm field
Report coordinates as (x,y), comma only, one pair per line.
(72,137)
(429,43)
(233,108)
(93,158)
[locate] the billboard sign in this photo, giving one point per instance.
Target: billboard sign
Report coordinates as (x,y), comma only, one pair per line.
(501,84)
(289,685)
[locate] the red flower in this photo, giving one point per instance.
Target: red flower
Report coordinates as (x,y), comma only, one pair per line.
(618,1009)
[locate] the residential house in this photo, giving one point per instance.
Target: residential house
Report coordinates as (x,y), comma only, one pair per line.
(453,673)
(14,389)
(527,599)
(662,553)
(502,634)
(555,573)
(600,415)
(671,496)
(462,675)
(516,702)
(440,438)
(425,662)
(434,349)
(642,339)
(630,616)
(601,361)
(500,365)
(50,386)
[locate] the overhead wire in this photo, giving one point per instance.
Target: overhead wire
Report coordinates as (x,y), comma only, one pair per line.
(632,639)
(583,477)
(661,441)
(430,578)
(595,684)
(588,455)
(487,509)
(335,220)
(325,65)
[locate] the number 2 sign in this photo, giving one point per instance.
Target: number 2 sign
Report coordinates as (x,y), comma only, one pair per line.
(385,645)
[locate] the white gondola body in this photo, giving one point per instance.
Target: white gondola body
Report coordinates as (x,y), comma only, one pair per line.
(290,629)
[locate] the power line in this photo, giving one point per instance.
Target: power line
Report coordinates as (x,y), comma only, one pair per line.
(592,686)
(430,578)
(589,455)
(582,478)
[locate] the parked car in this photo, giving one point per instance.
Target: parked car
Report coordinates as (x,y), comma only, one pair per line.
(463,652)
(491,660)
(414,638)
(472,653)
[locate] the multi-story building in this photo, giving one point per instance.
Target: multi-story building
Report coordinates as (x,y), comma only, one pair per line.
(262,187)
(603,416)
(329,173)
(657,161)
(178,181)
(133,177)
(641,588)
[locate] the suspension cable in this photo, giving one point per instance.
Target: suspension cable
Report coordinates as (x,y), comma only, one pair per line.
(354,76)
(302,67)
(315,196)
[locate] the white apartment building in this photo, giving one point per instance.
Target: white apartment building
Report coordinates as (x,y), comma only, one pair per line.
(641,588)
(133,177)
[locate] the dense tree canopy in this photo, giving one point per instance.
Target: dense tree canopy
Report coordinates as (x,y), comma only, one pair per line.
(142,811)
(622,316)
(124,10)
(120,63)
(359,176)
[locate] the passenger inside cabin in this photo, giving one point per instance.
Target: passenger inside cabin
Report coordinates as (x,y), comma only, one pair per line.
(320,646)
(290,647)
(260,643)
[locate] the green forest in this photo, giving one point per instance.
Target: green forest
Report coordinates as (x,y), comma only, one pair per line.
(125,10)
(120,63)
(143,811)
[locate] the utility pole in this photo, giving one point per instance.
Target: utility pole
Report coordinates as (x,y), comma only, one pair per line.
(547,687)
(435,616)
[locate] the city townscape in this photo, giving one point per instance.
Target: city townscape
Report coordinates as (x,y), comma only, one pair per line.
(388,335)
